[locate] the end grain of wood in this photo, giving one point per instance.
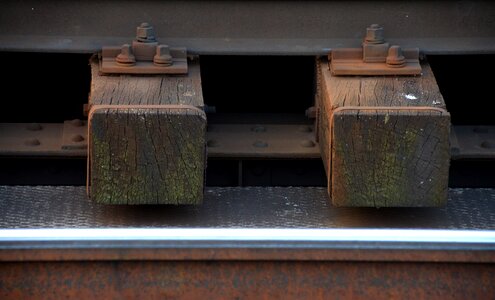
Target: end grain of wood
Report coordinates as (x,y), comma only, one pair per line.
(143,155)
(384,158)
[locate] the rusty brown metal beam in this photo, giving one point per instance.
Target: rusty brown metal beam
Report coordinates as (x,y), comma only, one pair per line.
(290,263)
(246,280)
(338,251)
(224,140)
(248,27)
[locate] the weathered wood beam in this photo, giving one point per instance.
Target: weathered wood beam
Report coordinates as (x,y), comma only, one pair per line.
(384,139)
(147,138)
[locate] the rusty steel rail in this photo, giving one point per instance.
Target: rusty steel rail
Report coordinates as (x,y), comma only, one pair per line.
(247,244)
(248,27)
(246,263)
(296,246)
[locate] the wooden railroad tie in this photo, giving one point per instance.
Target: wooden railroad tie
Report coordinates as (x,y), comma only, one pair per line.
(384,139)
(147,138)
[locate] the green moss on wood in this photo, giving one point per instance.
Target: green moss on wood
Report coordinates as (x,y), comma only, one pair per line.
(158,158)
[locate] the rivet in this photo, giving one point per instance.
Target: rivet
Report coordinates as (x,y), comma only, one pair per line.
(486,145)
(34,127)
(32,142)
(212,143)
(258,128)
(77,138)
(260,144)
(77,123)
(307,143)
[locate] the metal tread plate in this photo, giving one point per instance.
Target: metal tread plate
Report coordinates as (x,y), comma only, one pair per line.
(238,207)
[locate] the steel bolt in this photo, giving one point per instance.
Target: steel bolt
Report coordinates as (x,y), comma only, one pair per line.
(374,34)
(162,57)
(126,58)
(145,33)
(395,59)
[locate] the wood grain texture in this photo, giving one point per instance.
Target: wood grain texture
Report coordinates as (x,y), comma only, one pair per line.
(147,156)
(384,158)
(146,89)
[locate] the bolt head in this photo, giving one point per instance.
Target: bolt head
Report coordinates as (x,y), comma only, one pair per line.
(212,143)
(162,57)
(77,123)
(126,58)
(395,59)
(145,33)
(374,34)
(307,143)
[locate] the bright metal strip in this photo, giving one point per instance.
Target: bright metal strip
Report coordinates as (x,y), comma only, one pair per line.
(250,235)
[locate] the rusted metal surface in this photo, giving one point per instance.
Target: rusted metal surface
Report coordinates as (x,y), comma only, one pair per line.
(234,141)
(247,244)
(144,56)
(473,142)
(287,262)
(248,27)
(75,135)
(262,141)
(375,57)
(90,251)
(44,139)
(246,280)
